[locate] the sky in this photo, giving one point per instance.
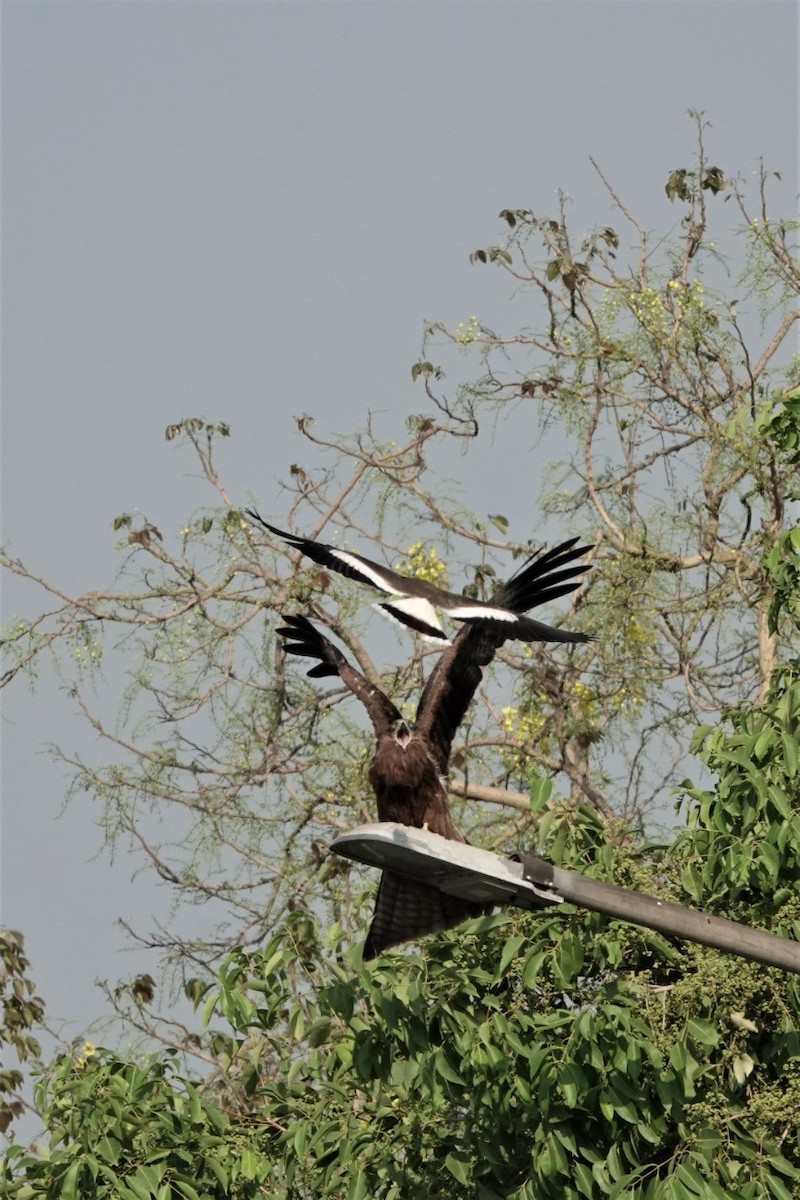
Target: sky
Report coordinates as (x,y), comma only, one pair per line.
(247,211)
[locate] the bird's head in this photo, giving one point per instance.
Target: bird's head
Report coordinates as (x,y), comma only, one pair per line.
(402,732)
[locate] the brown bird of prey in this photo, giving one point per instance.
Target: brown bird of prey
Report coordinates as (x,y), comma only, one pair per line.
(409,770)
(414,601)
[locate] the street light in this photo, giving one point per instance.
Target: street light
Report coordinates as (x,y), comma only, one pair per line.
(529,882)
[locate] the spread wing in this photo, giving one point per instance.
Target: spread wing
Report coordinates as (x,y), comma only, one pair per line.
(352,566)
(302,638)
(414,609)
(455,678)
(415,601)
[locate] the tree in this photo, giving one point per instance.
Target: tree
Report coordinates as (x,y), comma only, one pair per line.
(546,1055)
(666,390)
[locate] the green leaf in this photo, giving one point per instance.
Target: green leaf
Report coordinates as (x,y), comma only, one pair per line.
(692,1179)
(584,1180)
(209,1007)
(300,1139)
(790,753)
(319,1031)
(148,1177)
(533,965)
(195,1107)
(569,957)
(108,1149)
(443,1068)
(763,743)
(68,1186)
(781,801)
(541,790)
(459,1167)
(219,1172)
(572,1084)
(778,1188)
(510,951)
(702,1031)
(358,1189)
(768,855)
(249,1163)
(297,1022)
(716,1190)
(186,1189)
(692,882)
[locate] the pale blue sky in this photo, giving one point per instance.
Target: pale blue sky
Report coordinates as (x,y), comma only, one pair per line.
(247,211)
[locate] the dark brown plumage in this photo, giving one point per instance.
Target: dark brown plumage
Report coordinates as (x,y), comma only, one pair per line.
(409,768)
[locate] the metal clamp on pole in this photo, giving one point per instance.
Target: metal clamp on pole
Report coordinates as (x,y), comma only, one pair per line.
(672,919)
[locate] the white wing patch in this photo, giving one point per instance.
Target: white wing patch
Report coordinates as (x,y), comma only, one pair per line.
(364,571)
(481,612)
(414,612)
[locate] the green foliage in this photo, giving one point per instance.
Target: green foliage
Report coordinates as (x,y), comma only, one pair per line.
(547,1055)
(783,564)
(680,455)
(782,560)
(22,1013)
(743,842)
(133,1131)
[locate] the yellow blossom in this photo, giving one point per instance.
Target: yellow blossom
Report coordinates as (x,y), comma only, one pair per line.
(425,566)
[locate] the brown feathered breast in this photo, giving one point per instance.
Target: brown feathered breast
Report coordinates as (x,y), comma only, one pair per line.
(408,788)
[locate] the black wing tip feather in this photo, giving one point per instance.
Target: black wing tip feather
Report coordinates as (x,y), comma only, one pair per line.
(535,631)
(310,643)
(325,555)
(300,627)
(548,560)
(281,533)
(525,629)
(544,577)
(298,623)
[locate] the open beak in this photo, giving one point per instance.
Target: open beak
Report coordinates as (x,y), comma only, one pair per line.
(402,735)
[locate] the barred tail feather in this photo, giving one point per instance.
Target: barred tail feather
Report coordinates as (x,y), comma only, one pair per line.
(406,909)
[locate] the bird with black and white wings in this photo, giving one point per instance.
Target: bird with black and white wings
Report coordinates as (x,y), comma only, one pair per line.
(414,602)
(409,768)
